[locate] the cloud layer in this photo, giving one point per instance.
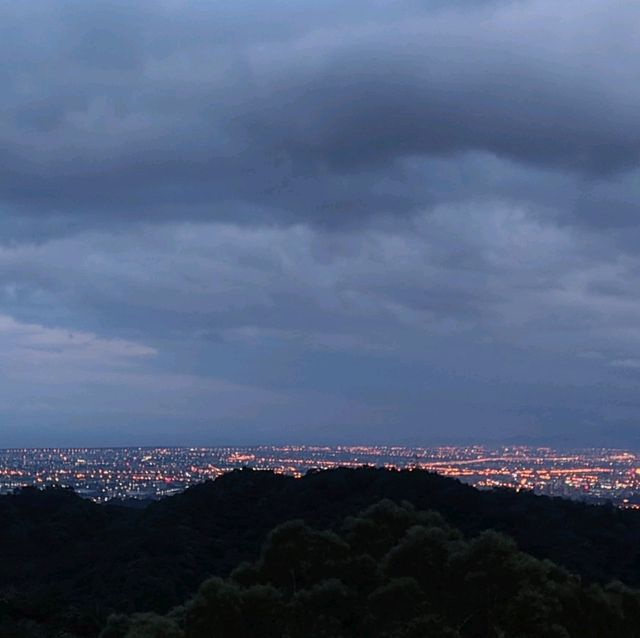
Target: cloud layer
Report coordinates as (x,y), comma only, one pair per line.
(160,111)
(373,221)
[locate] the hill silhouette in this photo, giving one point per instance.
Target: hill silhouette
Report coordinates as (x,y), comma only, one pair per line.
(392,572)
(67,563)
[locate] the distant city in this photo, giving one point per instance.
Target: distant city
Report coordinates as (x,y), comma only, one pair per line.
(102,474)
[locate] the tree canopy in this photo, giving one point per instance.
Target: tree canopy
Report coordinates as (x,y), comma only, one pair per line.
(66,563)
(393,572)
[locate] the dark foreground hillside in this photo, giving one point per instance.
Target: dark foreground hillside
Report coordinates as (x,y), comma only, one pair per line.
(67,563)
(392,572)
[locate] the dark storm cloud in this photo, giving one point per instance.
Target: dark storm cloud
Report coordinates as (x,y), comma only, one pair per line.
(352,221)
(288,111)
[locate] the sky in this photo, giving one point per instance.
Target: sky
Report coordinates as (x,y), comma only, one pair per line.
(408,221)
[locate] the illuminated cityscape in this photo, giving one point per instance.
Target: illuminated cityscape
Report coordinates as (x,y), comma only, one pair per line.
(148,473)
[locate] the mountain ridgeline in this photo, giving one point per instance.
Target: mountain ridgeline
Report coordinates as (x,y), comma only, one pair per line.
(345,552)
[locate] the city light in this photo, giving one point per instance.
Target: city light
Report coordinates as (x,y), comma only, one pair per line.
(102,474)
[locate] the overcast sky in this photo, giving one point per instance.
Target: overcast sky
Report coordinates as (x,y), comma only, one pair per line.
(369,221)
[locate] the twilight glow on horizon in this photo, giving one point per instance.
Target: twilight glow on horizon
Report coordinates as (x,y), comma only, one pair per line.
(412,222)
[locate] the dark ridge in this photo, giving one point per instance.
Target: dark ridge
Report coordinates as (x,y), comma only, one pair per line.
(66,562)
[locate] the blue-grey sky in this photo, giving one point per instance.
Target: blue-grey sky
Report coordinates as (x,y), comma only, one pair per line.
(293,221)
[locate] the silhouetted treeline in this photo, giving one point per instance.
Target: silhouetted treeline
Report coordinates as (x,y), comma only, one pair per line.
(67,563)
(393,572)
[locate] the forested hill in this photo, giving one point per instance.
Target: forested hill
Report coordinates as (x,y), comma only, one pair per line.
(66,563)
(392,572)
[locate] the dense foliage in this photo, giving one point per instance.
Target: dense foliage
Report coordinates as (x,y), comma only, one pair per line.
(393,573)
(67,563)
